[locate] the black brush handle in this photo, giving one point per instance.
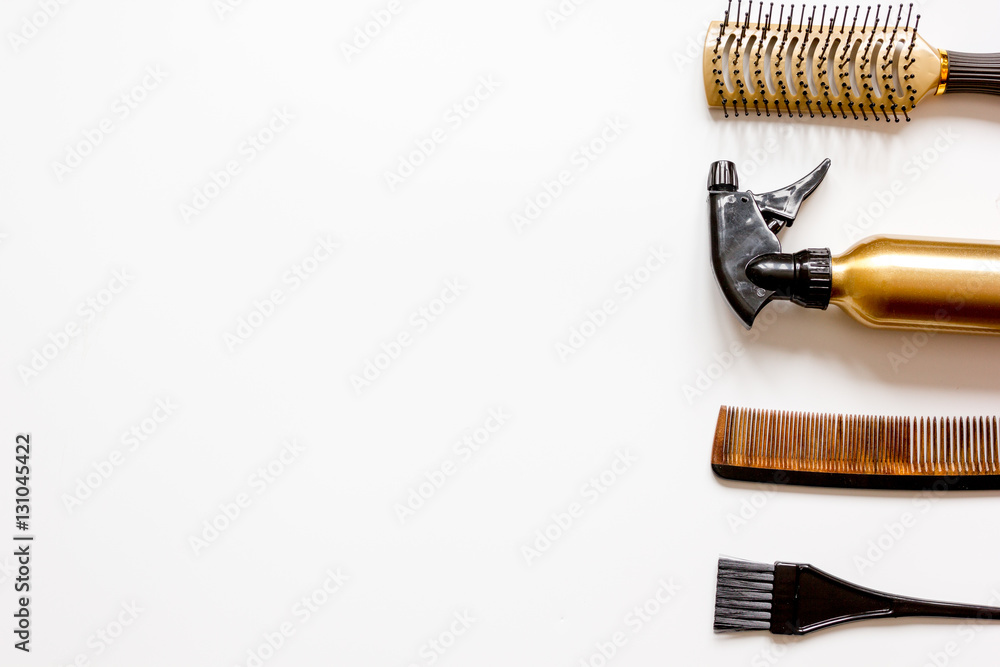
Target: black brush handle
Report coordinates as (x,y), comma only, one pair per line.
(806,599)
(913,607)
(973,73)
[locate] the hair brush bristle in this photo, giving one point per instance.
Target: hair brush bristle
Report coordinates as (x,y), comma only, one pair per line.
(828,61)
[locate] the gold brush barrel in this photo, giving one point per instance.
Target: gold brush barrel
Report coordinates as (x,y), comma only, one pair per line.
(829,61)
(920,283)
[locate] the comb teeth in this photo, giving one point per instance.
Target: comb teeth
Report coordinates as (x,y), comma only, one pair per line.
(743,596)
(759,61)
(856,444)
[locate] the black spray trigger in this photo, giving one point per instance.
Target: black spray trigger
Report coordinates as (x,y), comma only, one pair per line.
(780,207)
(746,254)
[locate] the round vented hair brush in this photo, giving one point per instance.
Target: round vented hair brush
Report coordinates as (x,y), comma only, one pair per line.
(848,62)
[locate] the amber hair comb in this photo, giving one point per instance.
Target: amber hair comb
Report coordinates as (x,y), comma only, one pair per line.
(857,451)
(846,62)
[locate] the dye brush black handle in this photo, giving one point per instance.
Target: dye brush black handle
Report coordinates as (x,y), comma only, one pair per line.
(807,599)
(903,607)
(973,73)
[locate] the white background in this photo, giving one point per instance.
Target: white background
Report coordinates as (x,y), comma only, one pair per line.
(335,505)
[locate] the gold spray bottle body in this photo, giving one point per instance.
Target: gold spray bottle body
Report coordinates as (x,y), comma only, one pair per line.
(920,283)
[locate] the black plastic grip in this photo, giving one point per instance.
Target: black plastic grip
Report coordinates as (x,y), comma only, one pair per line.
(973,73)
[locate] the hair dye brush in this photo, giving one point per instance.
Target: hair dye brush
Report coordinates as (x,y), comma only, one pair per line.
(883,282)
(833,61)
(796,599)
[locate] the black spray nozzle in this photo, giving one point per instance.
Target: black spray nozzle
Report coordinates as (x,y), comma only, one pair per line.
(746,253)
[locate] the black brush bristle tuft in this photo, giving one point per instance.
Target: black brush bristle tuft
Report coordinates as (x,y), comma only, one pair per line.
(743,595)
